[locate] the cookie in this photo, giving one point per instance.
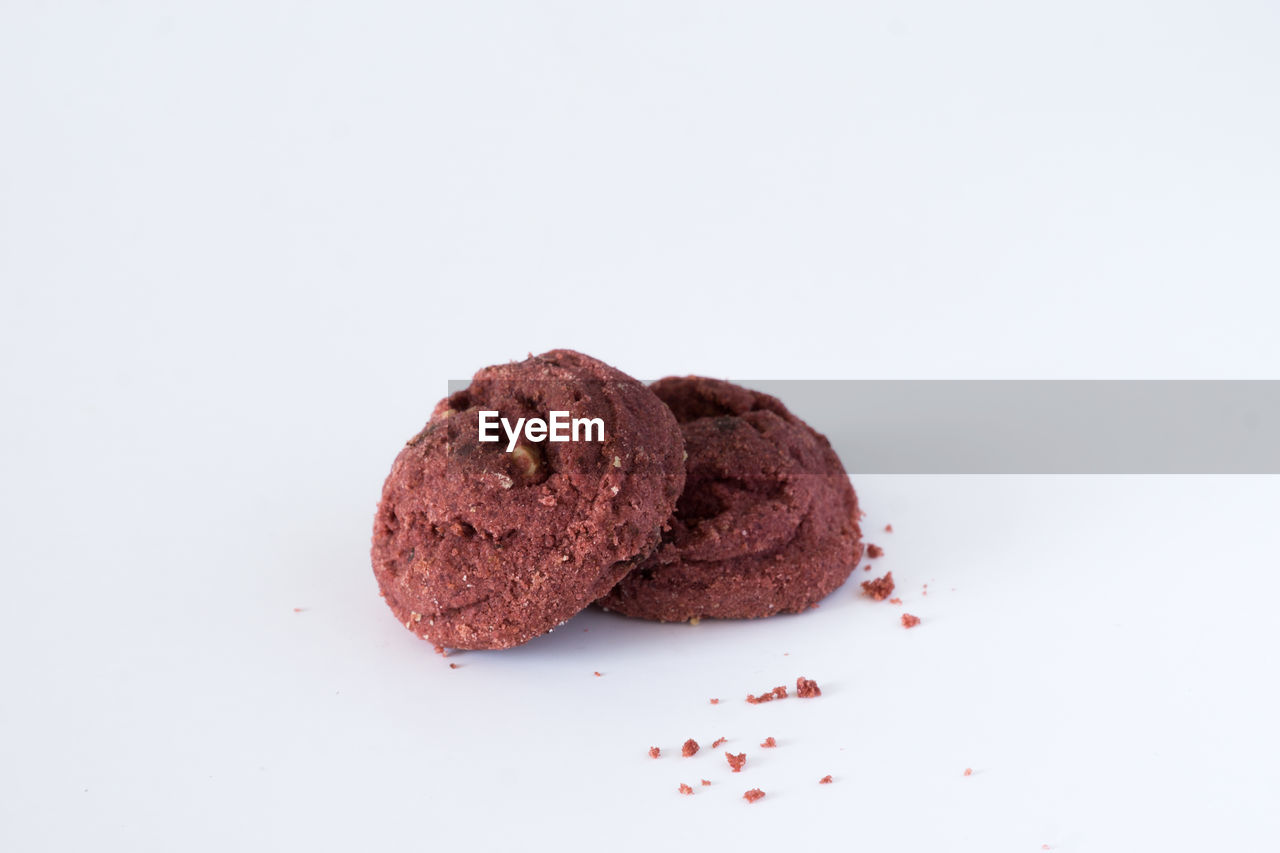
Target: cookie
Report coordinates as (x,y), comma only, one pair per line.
(767,523)
(475,547)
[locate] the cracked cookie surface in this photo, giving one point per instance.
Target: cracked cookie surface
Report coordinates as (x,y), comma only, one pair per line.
(767,523)
(478,548)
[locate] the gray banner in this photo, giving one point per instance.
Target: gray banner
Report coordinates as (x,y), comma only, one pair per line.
(1040,426)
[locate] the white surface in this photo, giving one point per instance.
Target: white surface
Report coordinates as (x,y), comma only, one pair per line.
(244,247)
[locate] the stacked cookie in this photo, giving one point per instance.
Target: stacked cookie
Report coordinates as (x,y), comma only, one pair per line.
(702,499)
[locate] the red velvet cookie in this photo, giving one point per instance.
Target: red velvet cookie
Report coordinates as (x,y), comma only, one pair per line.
(767,523)
(478,548)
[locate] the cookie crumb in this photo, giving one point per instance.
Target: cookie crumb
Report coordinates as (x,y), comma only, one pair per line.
(780,691)
(440,651)
(718,741)
(298,609)
(874,551)
(909,621)
(654,752)
(685,789)
(736,761)
(825,780)
(453,666)
(880,588)
(753,795)
(807,688)
(895,601)
(769,743)
(968,771)
(888,528)
(706,781)
(715,701)
(867,567)
(689,748)
(597,674)
(695,620)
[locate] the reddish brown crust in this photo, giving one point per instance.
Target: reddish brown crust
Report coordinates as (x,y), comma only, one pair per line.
(807,688)
(685,789)
(909,621)
(468,550)
(753,795)
(874,551)
(825,780)
(706,781)
(689,748)
(768,521)
(769,743)
(654,752)
(736,761)
(716,743)
(879,588)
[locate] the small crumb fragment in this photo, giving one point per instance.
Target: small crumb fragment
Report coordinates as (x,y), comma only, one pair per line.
(825,780)
(867,567)
(298,609)
(736,761)
(597,674)
(440,651)
(695,620)
(753,795)
(769,743)
(715,701)
(716,743)
(779,692)
(453,666)
(874,551)
(880,588)
(654,752)
(706,781)
(685,789)
(888,528)
(895,601)
(689,748)
(807,688)
(968,771)
(909,621)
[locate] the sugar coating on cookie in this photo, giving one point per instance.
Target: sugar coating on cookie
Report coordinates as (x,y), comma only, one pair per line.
(475,547)
(767,522)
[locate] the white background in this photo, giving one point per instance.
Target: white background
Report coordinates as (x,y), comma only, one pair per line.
(243,247)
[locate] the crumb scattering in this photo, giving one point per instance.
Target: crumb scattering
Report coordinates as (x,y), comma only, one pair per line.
(753,795)
(654,752)
(874,551)
(879,588)
(807,688)
(689,748)
(779,692)
(685,789)
(825,780)
(909,621)
(736,761)
(769,743)
(718,741)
